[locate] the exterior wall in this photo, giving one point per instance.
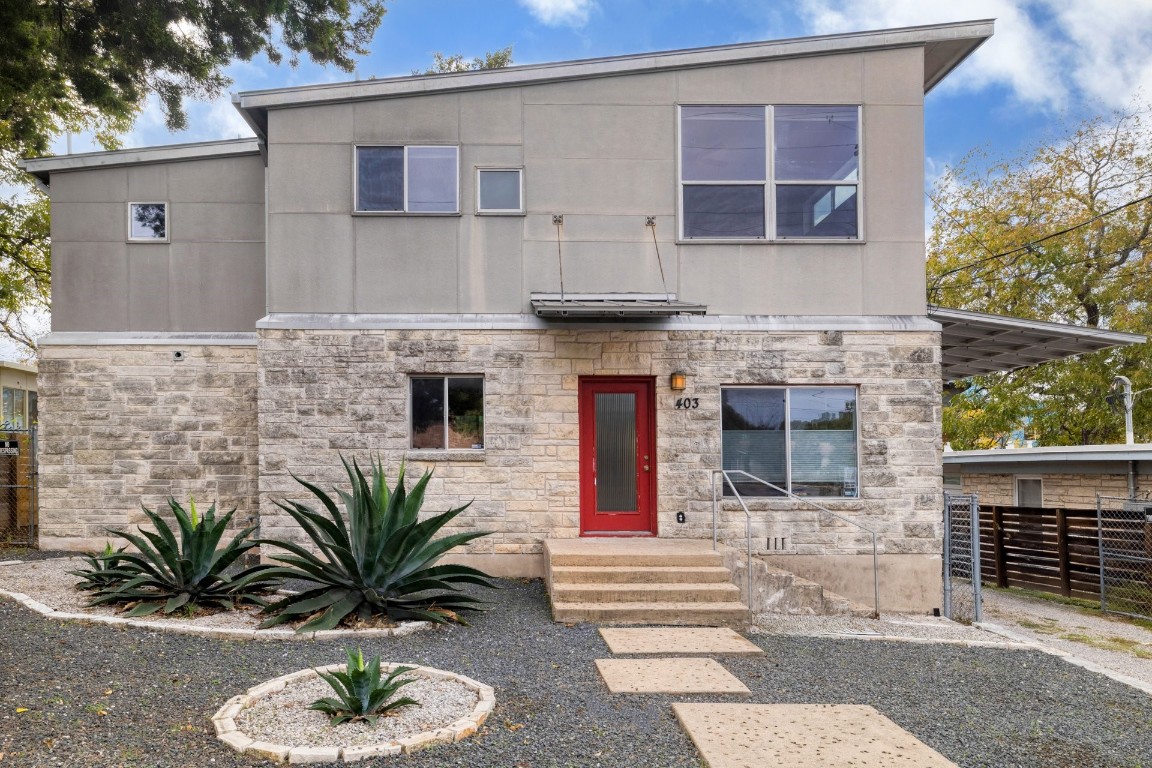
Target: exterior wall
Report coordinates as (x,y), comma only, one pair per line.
(1070,491)
(323,393)
(127,426)
(208,277)
(602,152)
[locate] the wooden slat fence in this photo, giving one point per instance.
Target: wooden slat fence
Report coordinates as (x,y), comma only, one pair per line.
(1042,548)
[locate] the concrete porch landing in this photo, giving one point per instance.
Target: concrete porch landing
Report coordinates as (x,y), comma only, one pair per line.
(641,581)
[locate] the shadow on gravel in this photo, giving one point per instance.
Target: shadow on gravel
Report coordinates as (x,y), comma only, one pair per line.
(110,697)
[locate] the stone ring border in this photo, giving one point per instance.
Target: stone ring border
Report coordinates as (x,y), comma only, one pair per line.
(221,633)
(227,731)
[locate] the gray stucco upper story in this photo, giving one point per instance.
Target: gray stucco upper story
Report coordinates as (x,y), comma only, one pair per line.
(597,142)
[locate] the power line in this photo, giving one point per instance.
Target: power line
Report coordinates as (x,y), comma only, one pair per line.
(1027,246)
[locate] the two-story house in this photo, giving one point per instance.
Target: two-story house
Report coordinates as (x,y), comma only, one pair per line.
(575,290)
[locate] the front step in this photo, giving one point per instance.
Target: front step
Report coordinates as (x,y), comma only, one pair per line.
(687,614)
(642,581)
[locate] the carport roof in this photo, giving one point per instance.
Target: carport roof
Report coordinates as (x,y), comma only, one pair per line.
(974,343)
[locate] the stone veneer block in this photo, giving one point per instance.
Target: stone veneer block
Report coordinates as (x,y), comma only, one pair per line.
(679,675)
(238,741)
(802,736)
(683,641)
(308,755)
(356,754)
(277,753)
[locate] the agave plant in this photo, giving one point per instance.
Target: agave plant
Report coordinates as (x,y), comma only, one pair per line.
(374,557)
(362,694)
(167,573)
(101,571)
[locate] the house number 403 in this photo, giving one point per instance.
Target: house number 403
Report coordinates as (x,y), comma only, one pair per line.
(687,403)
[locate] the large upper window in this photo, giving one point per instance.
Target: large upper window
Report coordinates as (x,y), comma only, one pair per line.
(447,412)
(408,179)
(801,439)
(756,172)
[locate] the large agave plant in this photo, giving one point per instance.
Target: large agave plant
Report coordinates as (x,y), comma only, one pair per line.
(167,573)
(362,695)
(374,557)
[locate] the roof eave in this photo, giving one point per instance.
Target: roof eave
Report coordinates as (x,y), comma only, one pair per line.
(41,168)
(946,45)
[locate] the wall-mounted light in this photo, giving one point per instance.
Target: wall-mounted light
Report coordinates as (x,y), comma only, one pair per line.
(678,381)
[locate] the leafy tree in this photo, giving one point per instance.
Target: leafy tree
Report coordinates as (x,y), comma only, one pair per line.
(1063,234)
(89,65)
(442,64)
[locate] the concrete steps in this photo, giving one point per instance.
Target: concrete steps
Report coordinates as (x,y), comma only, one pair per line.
(641,581)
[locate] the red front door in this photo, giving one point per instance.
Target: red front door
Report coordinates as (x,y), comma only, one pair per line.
(617,456)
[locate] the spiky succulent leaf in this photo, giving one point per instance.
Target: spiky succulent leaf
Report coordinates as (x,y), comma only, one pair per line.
(373,554)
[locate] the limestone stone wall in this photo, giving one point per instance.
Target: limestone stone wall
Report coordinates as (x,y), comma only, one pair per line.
(1070,491)
(322,393)
(122,426)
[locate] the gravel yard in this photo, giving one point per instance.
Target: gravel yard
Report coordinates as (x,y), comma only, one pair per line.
(129,697)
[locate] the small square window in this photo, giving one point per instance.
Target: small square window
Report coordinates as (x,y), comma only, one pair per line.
(447,412)
(148,222)
(500,190)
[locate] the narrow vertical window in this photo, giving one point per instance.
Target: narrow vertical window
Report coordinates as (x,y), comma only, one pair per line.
(723,168)
(816,170)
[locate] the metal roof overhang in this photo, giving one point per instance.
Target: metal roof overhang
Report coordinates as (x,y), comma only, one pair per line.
(576,306)
(974,343)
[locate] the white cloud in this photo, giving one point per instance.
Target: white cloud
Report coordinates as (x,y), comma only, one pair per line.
(1048,53)
(555,13)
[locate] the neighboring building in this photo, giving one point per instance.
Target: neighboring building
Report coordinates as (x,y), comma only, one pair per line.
(18,395)
(1060,476)
(500,275)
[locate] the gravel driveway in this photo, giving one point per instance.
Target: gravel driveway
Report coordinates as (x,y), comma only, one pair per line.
(111,697)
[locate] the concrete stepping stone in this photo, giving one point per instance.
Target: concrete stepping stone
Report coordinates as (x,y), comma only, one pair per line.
(668,676)
(802,736)
(683,641)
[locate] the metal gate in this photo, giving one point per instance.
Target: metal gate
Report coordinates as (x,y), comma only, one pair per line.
(962,599)
(1125,534)
(18,502)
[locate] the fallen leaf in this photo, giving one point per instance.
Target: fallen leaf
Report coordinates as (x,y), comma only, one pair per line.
(21,709)
(513,726)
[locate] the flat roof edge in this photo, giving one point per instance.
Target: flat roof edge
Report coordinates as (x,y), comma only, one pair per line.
(204,150)
(964,315)
(975,31)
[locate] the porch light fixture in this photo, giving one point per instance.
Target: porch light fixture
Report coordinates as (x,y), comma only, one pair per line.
(678,381)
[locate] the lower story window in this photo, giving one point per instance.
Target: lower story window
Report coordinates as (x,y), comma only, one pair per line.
(447,412)
(799,439)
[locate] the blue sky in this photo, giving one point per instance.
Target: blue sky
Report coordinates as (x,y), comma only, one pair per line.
(1051,61)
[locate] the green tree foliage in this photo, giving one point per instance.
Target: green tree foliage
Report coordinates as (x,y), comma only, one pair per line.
(89,65)
(442,64)
(1063,234)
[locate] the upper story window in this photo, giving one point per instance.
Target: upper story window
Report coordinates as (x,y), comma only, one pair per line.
(499,190)
(757,172)
(148,222)
(408,179)
(19,408)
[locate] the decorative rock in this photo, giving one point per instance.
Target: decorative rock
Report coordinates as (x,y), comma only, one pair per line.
(236,740)
(277,753)
(356,754)
(306,755)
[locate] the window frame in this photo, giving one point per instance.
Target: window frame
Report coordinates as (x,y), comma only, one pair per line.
(444,416)
(480,210)
(167,222)
(21,420)
(356,210)
(1016,488)
(770,183)
(787,389)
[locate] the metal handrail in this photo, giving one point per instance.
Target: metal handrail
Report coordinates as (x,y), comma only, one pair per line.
(726,473)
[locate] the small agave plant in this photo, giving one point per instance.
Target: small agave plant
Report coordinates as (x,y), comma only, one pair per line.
(374,557)
(362,694)
(102,569)
(167,573)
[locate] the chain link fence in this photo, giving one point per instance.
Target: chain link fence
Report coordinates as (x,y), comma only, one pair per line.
(962,598)
(1125,535)
(18,504)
